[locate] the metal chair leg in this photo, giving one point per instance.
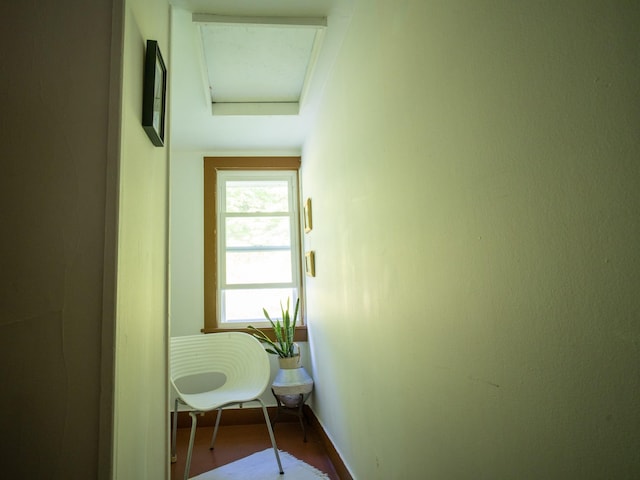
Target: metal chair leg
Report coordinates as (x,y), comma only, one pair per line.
(215,429)
(273,440)
(192,437)
(174,456)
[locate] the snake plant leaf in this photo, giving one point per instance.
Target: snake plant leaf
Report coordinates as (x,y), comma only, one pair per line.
(284,331)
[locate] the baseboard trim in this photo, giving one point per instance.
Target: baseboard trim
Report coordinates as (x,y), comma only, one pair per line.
(334,456)
(247,416)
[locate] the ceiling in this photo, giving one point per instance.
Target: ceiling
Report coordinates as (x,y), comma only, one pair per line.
(246,77)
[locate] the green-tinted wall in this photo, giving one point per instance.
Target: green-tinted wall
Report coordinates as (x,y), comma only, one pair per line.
(141,391)
(475,177)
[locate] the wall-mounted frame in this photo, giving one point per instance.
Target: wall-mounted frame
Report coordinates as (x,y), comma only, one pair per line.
(308,225)
(310,263)
(154,94)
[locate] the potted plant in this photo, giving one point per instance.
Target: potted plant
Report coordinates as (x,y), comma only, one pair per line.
(292,383)
(284,345)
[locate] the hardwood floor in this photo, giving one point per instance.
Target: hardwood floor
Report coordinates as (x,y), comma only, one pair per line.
(238,441)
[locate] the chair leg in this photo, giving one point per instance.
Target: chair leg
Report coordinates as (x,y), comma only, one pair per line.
(215,429)
(192,437)
(273,440)
(174,456)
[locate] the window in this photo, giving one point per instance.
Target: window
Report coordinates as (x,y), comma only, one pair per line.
(252,239)
(257,239)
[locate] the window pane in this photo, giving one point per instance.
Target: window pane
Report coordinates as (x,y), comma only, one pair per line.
(247,305)
(258,231)
(257,196)
(271,266)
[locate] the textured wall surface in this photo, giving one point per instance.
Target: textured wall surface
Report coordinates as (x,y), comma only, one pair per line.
(475,184)
(141,393)
(59,192)
(54,107)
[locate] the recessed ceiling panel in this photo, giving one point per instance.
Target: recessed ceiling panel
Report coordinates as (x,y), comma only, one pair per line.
(247,129)
(258,64)
(247,63)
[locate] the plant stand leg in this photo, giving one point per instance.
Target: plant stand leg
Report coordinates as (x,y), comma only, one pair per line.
(279,406)
(297,410)
(300,417)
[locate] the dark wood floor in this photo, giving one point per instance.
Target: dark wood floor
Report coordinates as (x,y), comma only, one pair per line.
(238,441)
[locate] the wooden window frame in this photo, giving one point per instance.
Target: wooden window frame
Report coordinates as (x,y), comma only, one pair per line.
(211,167)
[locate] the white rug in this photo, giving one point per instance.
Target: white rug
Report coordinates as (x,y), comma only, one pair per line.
(263,466)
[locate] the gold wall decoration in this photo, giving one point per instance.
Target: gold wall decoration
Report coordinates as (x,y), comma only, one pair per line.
(310,263)
(308,225)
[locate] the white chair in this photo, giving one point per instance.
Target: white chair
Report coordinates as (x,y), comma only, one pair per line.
(240,358)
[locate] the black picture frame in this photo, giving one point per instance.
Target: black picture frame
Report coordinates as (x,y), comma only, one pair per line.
(154,94)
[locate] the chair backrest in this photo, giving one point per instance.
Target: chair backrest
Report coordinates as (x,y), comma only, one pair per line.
(238,356)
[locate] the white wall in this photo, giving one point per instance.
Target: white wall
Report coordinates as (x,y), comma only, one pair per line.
(475,185)
(141,429)
(187,243)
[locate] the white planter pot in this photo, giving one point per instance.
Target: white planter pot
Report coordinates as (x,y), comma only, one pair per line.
(292,378)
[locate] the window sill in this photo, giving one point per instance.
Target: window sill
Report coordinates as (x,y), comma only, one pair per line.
(299,336)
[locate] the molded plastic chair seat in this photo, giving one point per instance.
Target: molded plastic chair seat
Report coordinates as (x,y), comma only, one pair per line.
(203,401)
(244,365)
